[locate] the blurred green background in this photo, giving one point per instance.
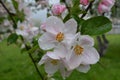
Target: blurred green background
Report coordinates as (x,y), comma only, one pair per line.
(18,66)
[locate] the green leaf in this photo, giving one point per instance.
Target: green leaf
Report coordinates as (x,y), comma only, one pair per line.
(1,19)
(15,4)
(12,38)
(67,18)
(33,49)
(76,2)
(96,26)
(75,10)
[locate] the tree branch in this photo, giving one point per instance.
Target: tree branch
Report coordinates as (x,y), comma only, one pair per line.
(8,12)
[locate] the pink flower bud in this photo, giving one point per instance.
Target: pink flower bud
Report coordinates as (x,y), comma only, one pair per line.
(105,6)
(108,3)
(57,9)
(43,26)
(84,2)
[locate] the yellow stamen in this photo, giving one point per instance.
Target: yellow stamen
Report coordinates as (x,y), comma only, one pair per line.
(21,27)
(78,50)
(54,62)
(60,37)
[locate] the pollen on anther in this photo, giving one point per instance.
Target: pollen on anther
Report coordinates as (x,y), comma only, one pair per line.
(60,37)
(54,62)
(78,50)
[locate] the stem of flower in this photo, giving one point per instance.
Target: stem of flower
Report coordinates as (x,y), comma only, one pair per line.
(34,63)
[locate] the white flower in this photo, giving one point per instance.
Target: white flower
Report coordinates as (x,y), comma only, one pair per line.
(57,32)
(26,30)
(21,29)
(53,65)
(38,17)
(83,52)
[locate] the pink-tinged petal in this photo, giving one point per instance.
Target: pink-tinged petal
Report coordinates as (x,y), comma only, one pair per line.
(90,55)
(86,40)
(70,26)
(83,68)
(54,25)
(109,3)
(58,9)
(73,62)
(46,41)
(50,68)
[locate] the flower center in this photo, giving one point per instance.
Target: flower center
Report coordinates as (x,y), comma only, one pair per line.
(60,37)
(21,27)
(78,50)
(54,62)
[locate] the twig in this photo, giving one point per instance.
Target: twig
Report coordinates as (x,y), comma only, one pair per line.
(8,12)
(89,6)
(67,6)
(34,63)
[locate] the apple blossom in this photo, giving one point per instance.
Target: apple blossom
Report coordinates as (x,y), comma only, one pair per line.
(83,52)
(57,32)
(26,30)
(37,21)
(57,9)
(53,65)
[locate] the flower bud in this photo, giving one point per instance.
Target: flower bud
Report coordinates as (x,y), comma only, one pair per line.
(57,9)
(84,2)
(105,6)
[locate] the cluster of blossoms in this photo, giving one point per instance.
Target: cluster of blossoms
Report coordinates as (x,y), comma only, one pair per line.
(67,50)
(27,30)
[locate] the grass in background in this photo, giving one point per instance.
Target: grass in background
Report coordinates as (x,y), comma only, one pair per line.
(17,66)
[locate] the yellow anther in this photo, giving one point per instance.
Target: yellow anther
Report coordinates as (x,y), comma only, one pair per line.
(78,50)
(54,62)
(60,37)
(21,27)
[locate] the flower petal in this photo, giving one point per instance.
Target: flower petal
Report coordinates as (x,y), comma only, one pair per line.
(83,68)
(50,68)
(46,41)
(90,55)
(64,72)
(70,26)
(73,62)
(86,40)
(54,25)
(43,60)
(59,52)
(52,55)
